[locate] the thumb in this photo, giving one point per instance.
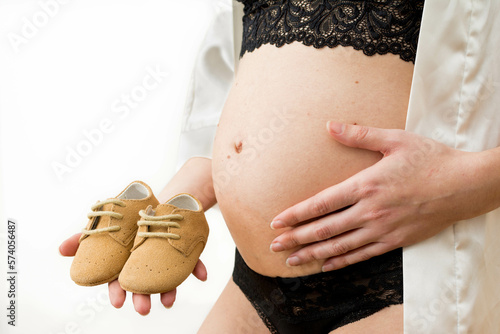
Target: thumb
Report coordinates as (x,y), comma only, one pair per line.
(365,137)
(70,245)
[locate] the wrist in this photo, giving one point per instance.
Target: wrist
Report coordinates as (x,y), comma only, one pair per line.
(195,178)
(477,185)
(487,164)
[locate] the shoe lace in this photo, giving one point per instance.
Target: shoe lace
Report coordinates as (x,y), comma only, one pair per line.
(95,213)
(159,221)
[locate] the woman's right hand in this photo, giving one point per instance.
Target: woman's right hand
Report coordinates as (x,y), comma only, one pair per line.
(142,303)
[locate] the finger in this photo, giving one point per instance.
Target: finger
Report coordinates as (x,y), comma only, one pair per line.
(142,303)
(332,247)
(329,200)
(70,245)
(358,255)
(168,298)
(318,230)
(365,137)
(116,294)
(200,271)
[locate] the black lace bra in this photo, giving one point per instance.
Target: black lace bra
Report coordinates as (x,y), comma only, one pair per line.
(374,26)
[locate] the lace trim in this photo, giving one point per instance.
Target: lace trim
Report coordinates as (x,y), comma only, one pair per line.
(374,26)
(323,302)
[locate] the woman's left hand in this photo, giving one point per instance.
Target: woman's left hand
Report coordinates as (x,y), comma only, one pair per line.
(416,190)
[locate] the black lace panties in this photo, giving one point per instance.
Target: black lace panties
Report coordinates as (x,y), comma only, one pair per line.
(374,26)
(322,302)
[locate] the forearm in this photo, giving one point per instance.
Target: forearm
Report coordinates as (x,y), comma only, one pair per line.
(195,178)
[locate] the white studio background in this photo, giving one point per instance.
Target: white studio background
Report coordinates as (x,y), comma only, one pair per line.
(63,91)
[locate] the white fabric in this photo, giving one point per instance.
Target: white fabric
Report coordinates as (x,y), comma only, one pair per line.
(451,280)
(209,85)
(134,191)
(184,201)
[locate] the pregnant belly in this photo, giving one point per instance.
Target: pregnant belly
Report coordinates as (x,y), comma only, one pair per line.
(272,149)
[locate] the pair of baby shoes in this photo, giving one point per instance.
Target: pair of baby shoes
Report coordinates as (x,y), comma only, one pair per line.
(149,247)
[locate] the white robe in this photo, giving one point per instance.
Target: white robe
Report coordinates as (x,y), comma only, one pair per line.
(452,280)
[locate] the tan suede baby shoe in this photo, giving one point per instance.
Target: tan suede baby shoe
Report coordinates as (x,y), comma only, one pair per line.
(106,241)
(168,244)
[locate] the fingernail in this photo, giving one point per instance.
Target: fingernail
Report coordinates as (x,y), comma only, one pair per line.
(327,267)
(276,247)
(277,224)
(168,307)
(292,261)
(337,128)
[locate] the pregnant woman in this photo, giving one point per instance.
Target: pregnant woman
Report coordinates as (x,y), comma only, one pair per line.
(304,63)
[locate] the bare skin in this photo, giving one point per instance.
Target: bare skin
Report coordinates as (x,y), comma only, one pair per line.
(272,149)
(232,313)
